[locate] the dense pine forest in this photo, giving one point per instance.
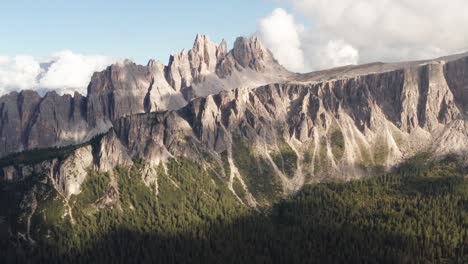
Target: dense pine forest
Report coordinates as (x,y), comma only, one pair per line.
(416,214)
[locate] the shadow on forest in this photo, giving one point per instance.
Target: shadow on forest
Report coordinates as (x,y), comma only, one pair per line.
(236,243)
(323,223)
(289,233)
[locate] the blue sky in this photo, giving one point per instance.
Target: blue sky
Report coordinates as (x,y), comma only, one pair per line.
(139,29)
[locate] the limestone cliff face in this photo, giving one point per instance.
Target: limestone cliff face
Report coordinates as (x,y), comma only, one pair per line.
(346,128)
(29,121)
(239,113)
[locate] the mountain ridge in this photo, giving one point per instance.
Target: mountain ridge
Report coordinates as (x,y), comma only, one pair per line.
(299,133)
(345,123)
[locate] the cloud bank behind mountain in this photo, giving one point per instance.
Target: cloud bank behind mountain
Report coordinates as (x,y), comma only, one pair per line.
(339,32)
(63,72)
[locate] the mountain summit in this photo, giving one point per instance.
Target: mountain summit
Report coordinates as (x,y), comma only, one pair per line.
(29,121)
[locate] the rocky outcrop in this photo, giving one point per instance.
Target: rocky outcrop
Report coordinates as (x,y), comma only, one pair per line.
(69,172)
(110,153)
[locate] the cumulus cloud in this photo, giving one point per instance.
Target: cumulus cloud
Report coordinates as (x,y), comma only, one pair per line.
(63,72)
(298,51)
(19,72)
(379,30)
(282,35)
(338,52)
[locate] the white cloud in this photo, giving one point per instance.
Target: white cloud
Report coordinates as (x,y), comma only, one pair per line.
(381,30)
(19,72)
(72,71)
(338,52)
(64,72)
(298,51)
(280,33)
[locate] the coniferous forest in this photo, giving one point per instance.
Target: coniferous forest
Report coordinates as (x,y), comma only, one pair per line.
(416,214)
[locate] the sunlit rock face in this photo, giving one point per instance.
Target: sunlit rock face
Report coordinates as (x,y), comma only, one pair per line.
(29,121)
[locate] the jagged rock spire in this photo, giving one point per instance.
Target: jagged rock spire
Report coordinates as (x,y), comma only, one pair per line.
(207,57)
(126,88)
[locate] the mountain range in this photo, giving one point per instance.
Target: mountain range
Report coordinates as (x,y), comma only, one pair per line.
(263,131)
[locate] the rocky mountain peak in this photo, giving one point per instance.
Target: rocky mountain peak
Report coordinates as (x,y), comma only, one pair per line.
(126,88)
(222,49)
(203,56)
(250,52)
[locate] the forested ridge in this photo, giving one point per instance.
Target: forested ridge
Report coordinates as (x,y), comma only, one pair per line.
(416,214)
